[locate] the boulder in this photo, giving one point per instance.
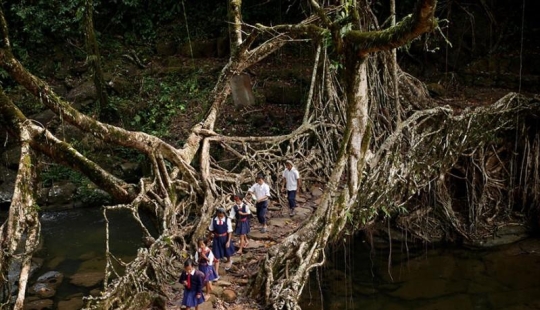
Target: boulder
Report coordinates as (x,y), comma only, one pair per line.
(281,222)
(42,290)
(217,290)
(93,197)
(44,117)
(83,93)
(61,194)
(87,279)
(41,304)
(14,272)
(74,302)
(46,285)
(254,244)
(436,89)
(300,199)
(274,207)
(53,263)
(229,295)
(223,283)
(303,212)
(53,278)
(121,85)
(316,191)
(506,234)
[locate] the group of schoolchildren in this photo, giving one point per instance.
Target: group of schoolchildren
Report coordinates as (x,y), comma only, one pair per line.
(223,247)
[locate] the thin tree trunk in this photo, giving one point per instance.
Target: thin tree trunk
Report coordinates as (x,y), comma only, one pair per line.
(19,236)
(395,67)
(94,59)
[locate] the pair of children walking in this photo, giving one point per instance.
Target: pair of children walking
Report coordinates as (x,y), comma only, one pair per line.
(209,259)
(194,280)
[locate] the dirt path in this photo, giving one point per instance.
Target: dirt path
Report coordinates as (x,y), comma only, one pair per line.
(229,292)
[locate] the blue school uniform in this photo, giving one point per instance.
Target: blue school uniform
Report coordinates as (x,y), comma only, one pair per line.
(206,266)
(195,285)
(221,228)
(242,221)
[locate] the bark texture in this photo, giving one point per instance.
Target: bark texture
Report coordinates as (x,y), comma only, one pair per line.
(375,164)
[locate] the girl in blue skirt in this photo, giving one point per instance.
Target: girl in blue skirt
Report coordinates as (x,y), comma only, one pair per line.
(193,281)
(222,244)
(240,212)
(205,258)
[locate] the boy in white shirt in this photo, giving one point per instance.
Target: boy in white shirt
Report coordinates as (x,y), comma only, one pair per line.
(261,191)
(292,182)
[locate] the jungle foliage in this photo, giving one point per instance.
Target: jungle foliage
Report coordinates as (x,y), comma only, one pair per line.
(369,132)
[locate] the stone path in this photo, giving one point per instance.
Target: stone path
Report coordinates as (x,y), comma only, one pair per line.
(229,291)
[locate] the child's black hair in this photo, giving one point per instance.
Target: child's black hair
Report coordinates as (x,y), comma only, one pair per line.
(201,240)
(239,195)
(188,262)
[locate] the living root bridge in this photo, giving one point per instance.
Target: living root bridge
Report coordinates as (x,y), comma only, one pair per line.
(375,167)
(412,164)
(465,173)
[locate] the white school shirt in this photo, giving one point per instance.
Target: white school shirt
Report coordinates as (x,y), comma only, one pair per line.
(291,178)
(210,256)
(232,214)
(229,224)
(260,190)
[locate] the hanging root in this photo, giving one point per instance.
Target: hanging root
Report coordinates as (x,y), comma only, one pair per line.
(457,176)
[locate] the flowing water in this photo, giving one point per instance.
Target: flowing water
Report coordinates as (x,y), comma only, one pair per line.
(74,242)
(354,276)
(507,277)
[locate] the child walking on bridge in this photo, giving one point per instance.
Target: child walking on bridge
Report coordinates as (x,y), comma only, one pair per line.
(205,258)
(240,212)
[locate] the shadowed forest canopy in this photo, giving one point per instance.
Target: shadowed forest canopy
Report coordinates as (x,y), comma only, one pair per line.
(88,84)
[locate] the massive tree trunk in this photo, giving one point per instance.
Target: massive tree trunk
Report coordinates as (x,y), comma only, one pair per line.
(372,163)
(288,265)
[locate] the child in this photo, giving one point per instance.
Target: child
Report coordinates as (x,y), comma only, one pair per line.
(222,245)
(205,258)
(292,182)
(261,191)
(240,211)
(193,281)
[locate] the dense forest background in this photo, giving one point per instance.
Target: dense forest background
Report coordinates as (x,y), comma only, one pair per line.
(160,63)
(160,59)
(493,30)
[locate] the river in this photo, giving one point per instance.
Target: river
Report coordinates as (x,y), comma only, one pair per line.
(429,278)
(354,277)
(74,242)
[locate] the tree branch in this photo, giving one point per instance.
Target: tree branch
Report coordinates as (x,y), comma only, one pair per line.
(412,26)
(61,152)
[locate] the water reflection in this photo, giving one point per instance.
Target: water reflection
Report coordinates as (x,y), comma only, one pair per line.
(506,277)
(74,243)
